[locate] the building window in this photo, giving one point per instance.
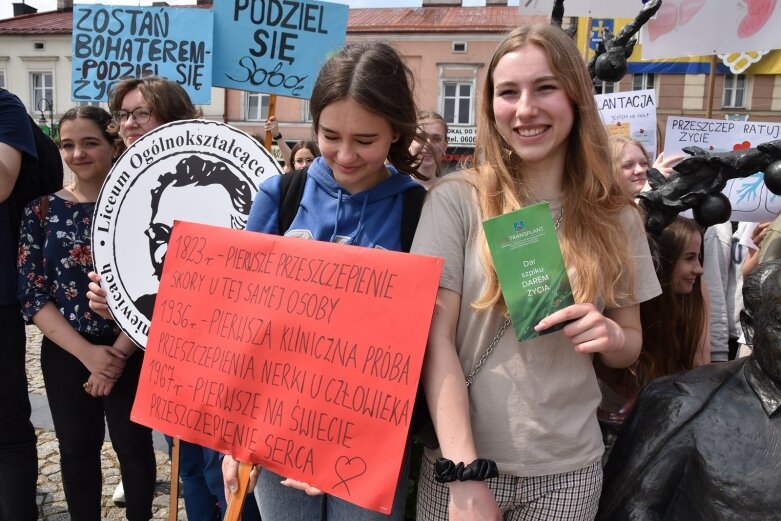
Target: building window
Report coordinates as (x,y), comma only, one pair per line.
(256,107)
(457,99)
(642,81)
(604,87)
(459,47)
(734,91)
(2,79)
(42,88)
(306,112)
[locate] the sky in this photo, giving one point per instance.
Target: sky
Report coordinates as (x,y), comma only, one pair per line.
(7,11)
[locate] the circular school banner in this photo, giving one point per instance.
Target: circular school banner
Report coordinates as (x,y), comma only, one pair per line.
(197,170)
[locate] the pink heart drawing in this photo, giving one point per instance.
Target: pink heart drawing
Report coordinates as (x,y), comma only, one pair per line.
(347,469)
(688,9)
(666,20)
(758,14)
(670,16)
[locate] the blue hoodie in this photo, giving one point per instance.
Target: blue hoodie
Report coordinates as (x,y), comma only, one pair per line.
(328,212)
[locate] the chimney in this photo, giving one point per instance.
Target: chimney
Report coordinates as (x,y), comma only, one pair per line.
(63,5)
(21,8)
(495,2)
(441,3)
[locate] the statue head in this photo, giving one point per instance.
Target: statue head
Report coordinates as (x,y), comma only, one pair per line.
(761,318)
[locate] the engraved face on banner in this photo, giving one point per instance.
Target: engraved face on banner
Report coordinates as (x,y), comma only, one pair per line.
(199,171)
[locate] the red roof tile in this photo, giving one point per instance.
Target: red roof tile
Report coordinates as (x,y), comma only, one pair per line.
(51,22)
(438,19)
(382,20)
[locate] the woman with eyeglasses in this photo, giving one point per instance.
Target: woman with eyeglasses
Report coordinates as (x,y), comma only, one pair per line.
(88,373)
(138,106)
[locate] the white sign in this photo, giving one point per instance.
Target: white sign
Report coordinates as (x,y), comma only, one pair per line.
(199,171)
(461,136)
(697,27)
(750,199)
(593,8)
(631,114)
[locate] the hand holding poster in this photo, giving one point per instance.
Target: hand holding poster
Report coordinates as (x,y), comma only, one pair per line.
(302,356)
(111,43)
(750,199)
(273,46)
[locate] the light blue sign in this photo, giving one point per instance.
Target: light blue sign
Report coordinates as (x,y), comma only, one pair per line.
(111,43)
(275,46)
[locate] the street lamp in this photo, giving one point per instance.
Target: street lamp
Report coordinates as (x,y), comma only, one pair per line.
(43,105)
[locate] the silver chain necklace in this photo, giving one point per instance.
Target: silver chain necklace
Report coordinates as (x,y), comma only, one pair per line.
(503,327)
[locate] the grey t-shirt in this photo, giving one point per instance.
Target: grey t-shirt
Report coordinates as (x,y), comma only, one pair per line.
(533,404)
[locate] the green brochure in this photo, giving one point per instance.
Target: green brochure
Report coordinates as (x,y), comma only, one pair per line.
(531,270)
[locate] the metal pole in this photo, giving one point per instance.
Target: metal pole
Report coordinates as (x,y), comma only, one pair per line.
(711,83)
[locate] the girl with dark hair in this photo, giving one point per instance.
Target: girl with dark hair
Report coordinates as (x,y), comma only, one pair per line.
(87,375)
(529,409)
(302,155)
(365,120)
(675,324)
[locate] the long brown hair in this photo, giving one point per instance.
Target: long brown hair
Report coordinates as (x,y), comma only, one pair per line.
(672,323)
(592,239)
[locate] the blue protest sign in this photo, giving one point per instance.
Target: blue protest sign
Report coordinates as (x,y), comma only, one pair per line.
(274,46)
(111,43)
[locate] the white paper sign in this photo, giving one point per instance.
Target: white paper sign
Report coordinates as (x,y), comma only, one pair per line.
(200,171)
(697,27)
(594,8)
(751,201)
(631,114)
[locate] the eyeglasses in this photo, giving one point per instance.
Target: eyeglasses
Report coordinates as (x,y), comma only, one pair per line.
(141,115)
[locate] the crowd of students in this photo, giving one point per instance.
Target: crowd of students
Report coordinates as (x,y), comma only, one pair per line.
(530,409)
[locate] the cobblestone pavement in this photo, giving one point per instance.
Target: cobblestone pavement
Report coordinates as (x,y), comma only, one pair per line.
(51,499)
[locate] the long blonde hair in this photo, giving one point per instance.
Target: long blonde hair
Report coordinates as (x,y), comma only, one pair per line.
(592,239)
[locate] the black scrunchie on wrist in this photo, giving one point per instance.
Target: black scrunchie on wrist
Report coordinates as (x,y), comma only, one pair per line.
(445,471)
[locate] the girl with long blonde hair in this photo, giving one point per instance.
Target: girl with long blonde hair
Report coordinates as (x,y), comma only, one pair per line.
(530,408)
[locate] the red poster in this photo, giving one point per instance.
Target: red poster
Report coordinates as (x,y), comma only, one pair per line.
(301,356)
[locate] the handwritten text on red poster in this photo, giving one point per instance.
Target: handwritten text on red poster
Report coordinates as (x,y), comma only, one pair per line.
(301,356)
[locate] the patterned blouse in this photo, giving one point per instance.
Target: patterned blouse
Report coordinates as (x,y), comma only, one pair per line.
(53,262)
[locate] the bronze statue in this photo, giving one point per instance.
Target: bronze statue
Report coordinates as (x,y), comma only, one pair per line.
(557,18)
(706,444)
(698,181)
(609,63)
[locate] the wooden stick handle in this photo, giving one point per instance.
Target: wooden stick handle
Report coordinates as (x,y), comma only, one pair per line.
(272,109)
(173,497)
(236,501)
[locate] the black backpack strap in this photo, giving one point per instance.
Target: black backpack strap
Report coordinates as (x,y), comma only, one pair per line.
(291,191)
(410,215)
